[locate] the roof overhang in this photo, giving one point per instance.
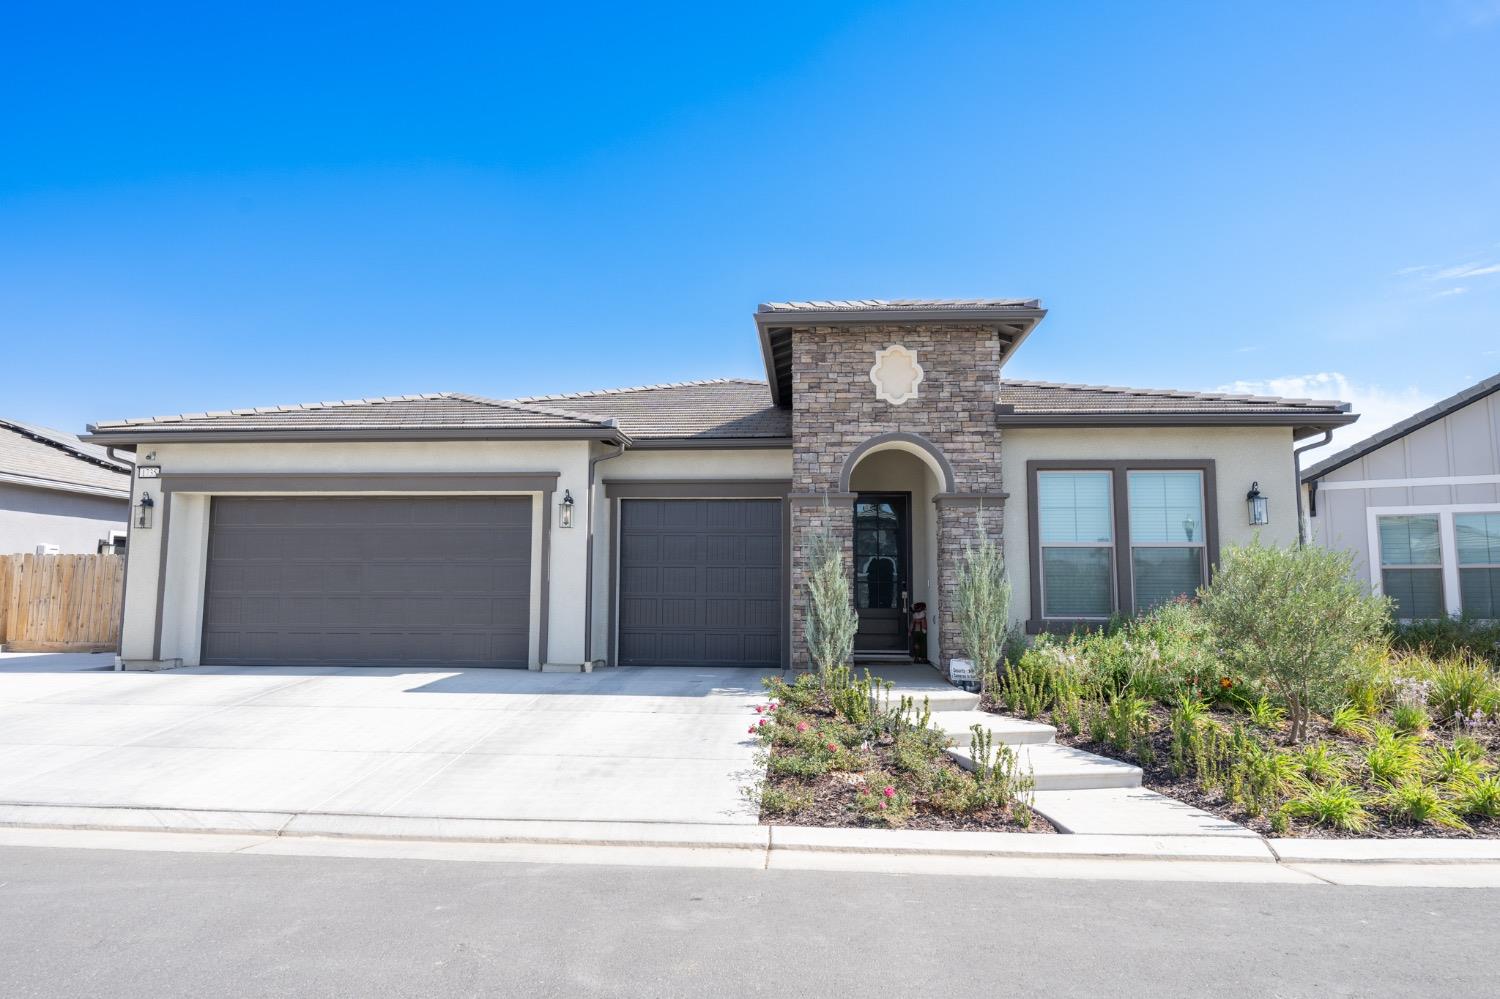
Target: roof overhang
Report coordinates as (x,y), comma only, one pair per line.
(135,436)
(1012,325)
(1303,424)
(54,485)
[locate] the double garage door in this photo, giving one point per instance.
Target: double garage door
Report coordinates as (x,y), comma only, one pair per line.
(700,582)
(400,580)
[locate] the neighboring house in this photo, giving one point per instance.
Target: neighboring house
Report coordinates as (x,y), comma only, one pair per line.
(58,494)
(1418,505)
(665,524)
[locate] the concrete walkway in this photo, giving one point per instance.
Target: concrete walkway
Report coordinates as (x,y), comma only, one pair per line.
(642,745)
(1077,791)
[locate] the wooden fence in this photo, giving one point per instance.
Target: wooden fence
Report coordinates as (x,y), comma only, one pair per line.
(61,603)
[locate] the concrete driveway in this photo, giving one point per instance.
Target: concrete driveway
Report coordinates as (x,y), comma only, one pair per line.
(637,744)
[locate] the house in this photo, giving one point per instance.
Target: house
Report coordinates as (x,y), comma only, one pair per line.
(666,524)
(1418,506)
(59,495)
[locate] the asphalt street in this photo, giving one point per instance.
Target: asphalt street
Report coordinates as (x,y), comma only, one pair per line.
(155,924)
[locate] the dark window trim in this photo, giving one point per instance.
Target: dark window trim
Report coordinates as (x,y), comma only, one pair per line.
(1120,500)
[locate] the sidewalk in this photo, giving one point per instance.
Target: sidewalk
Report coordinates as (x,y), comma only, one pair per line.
(1410,863)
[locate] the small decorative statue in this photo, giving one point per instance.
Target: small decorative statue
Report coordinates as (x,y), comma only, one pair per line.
(919,632)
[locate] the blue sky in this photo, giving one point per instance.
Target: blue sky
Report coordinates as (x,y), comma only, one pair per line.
(204,209)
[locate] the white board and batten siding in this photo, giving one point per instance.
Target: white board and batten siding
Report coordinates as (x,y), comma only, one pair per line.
(1445,468)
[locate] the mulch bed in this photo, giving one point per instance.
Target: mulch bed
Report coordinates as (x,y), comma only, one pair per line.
(1158,777)
(834,804)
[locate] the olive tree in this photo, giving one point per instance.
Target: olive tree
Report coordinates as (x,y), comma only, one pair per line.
(982,605)
(1291,619)
(831,620)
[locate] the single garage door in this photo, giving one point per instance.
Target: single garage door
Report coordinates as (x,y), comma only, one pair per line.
(398,580)
(700,582)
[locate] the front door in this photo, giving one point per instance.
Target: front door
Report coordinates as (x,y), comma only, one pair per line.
(882,571)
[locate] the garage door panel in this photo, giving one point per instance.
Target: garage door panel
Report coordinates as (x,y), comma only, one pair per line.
(369,579)
(691,591)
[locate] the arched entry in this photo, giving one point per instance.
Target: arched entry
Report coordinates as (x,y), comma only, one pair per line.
(893,480)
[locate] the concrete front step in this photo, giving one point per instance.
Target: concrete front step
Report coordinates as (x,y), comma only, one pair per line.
(1003,728)
(1132,811)
(918,682)
(1062,768)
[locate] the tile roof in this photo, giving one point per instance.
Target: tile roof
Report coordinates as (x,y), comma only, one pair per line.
(1054,398)
(1398,430)
(434,411)
(901,305)
(712,408)
(50,459)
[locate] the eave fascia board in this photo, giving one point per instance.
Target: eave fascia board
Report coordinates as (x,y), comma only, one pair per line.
(890,317)
(140,435)
(1319,421)
(56,486)
(711,443)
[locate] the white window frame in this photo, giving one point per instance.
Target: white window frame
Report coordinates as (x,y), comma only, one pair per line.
(1447,541)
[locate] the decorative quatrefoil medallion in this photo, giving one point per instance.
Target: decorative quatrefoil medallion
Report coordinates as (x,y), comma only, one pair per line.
(896,374)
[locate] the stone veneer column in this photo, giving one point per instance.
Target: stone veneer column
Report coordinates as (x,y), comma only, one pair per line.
(832,512)
(835,409)
(958,525)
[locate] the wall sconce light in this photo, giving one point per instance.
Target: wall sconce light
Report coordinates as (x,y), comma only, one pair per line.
(143,511)
(565,510)
(1259,514)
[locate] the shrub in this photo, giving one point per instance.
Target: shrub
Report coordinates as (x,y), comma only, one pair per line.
(1460,688)
(779,801)
(1026,687)
(1394,758)
(831,619)
(1126,718)
(1410,719)
(998,779)
(1454,765)
(1337,806)
(1480,799)
(1320,764)
(1292,618)
(982,604)
(1186,726)
(1445,637)
(1418,803)
(1264,714)
(1350,721)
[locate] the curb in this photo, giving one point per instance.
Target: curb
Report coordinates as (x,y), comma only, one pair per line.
(766,839)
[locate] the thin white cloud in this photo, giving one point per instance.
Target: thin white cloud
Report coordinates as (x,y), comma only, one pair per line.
(1449,291)
(1378,407)
(1475,269)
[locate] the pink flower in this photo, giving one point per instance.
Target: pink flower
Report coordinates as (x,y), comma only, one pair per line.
(802,726)
(759,708)
(761,722)
(774,705)
(889,792)
(882,806)
(752,729)
(833,747)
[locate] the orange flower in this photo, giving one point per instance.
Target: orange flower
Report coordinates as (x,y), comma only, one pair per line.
(1225,683)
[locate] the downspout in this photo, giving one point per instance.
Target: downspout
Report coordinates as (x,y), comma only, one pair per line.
(1297,479)
(588,571)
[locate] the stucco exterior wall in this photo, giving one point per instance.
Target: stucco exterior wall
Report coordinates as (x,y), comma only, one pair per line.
(75,522)
(187,525)
(663,465)
(1449,463)
(1242,455)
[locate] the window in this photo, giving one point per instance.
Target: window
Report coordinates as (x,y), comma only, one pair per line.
(1167,537)
(1076,529)
(1117,535)
(1411,564)
(1477,542)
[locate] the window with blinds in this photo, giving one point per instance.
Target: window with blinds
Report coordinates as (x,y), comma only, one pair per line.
(1167,539)
(1075,516)
(1411,564)
(1477,541)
